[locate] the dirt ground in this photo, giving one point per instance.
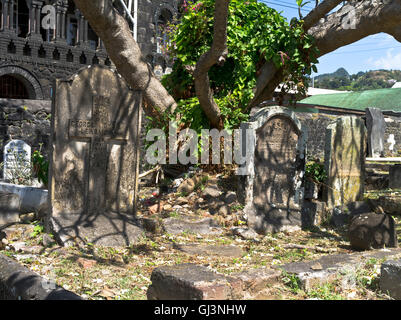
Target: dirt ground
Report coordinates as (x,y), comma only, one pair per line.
(96,273)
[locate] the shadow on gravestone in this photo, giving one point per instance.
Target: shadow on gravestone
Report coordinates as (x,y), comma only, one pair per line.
(274,190)
(345,152)
(94,163)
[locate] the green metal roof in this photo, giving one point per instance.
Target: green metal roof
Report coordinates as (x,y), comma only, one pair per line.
(384,99)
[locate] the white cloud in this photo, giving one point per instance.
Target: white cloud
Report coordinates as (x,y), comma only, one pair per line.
(392,60)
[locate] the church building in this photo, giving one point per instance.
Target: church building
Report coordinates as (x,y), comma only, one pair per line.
(32,56)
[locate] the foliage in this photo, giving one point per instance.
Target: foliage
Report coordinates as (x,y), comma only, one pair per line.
(315,171)
(37,230)
(40,167)
(256,34)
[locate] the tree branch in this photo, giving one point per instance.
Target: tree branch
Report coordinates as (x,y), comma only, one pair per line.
(355,21)
(319,12)
(217,54)
(125,53)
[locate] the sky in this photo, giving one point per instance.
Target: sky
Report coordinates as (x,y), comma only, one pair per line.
(380,51)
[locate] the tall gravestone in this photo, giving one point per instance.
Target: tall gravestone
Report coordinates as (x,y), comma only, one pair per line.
(376,127)
(345,153)
(17,160)
(94,163)
(273,186)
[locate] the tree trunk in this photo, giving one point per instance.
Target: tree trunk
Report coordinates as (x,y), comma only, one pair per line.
(125,53)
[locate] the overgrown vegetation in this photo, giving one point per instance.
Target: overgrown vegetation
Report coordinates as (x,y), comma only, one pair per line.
(256,34)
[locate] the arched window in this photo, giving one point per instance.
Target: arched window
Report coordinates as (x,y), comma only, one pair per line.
(12,88)
(163,19)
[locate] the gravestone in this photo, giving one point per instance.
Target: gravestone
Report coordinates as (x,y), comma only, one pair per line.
(94,163)
(17,160)
(273,187)
(376,127)
(345,150)
(395,176)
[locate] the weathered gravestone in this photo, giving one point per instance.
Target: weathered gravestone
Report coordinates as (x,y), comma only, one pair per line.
(345,161)
(376,127)
(395,177)
(273,186)
(17,161)
(94,163)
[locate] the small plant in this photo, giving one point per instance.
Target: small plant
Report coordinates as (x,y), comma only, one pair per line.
(315,171)
(292,281)
(40,166)
(326,291)
(37,230)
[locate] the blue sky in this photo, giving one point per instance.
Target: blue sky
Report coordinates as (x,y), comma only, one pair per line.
(380,51)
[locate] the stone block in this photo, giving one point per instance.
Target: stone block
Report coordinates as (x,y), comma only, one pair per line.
(390,278)
(371,230)
(395,177)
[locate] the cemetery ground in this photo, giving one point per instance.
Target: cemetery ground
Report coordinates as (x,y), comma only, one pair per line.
(95,272)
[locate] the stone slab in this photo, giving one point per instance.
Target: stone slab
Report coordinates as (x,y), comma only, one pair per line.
(329,265)
(395,176)
(30,199)
(19,283)
(195,282)
(9,208)
(210,250)
(205,226)
(390,278)
(107,229)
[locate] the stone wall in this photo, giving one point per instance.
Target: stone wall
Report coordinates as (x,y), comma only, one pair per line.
(28,120)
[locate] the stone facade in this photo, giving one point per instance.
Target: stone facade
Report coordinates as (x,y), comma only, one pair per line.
(31,57)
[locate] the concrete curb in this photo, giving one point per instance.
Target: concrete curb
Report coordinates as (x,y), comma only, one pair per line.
(19,283)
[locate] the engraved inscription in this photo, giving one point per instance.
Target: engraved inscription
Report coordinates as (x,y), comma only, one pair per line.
(97,131)
(275,163)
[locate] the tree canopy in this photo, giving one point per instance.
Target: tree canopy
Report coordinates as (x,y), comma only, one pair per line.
(255,34)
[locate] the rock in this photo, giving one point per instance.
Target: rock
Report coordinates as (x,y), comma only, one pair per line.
(9,208)
(181,201)
(18,246)
(390,278)
(194,282)
(245,233)
(388,204)
(188,282)
(188,186)
(33,249)
(367,231)
(47,240)
(395,177)
(341,217)
(224,211)
(28,217)
(211,192)
(167,207)
(210,250)
(86,263)
(202,227)
(151,225)
(156,208)
(230,197)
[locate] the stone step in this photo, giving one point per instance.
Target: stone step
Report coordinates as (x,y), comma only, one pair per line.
(195,282)
(325,269)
